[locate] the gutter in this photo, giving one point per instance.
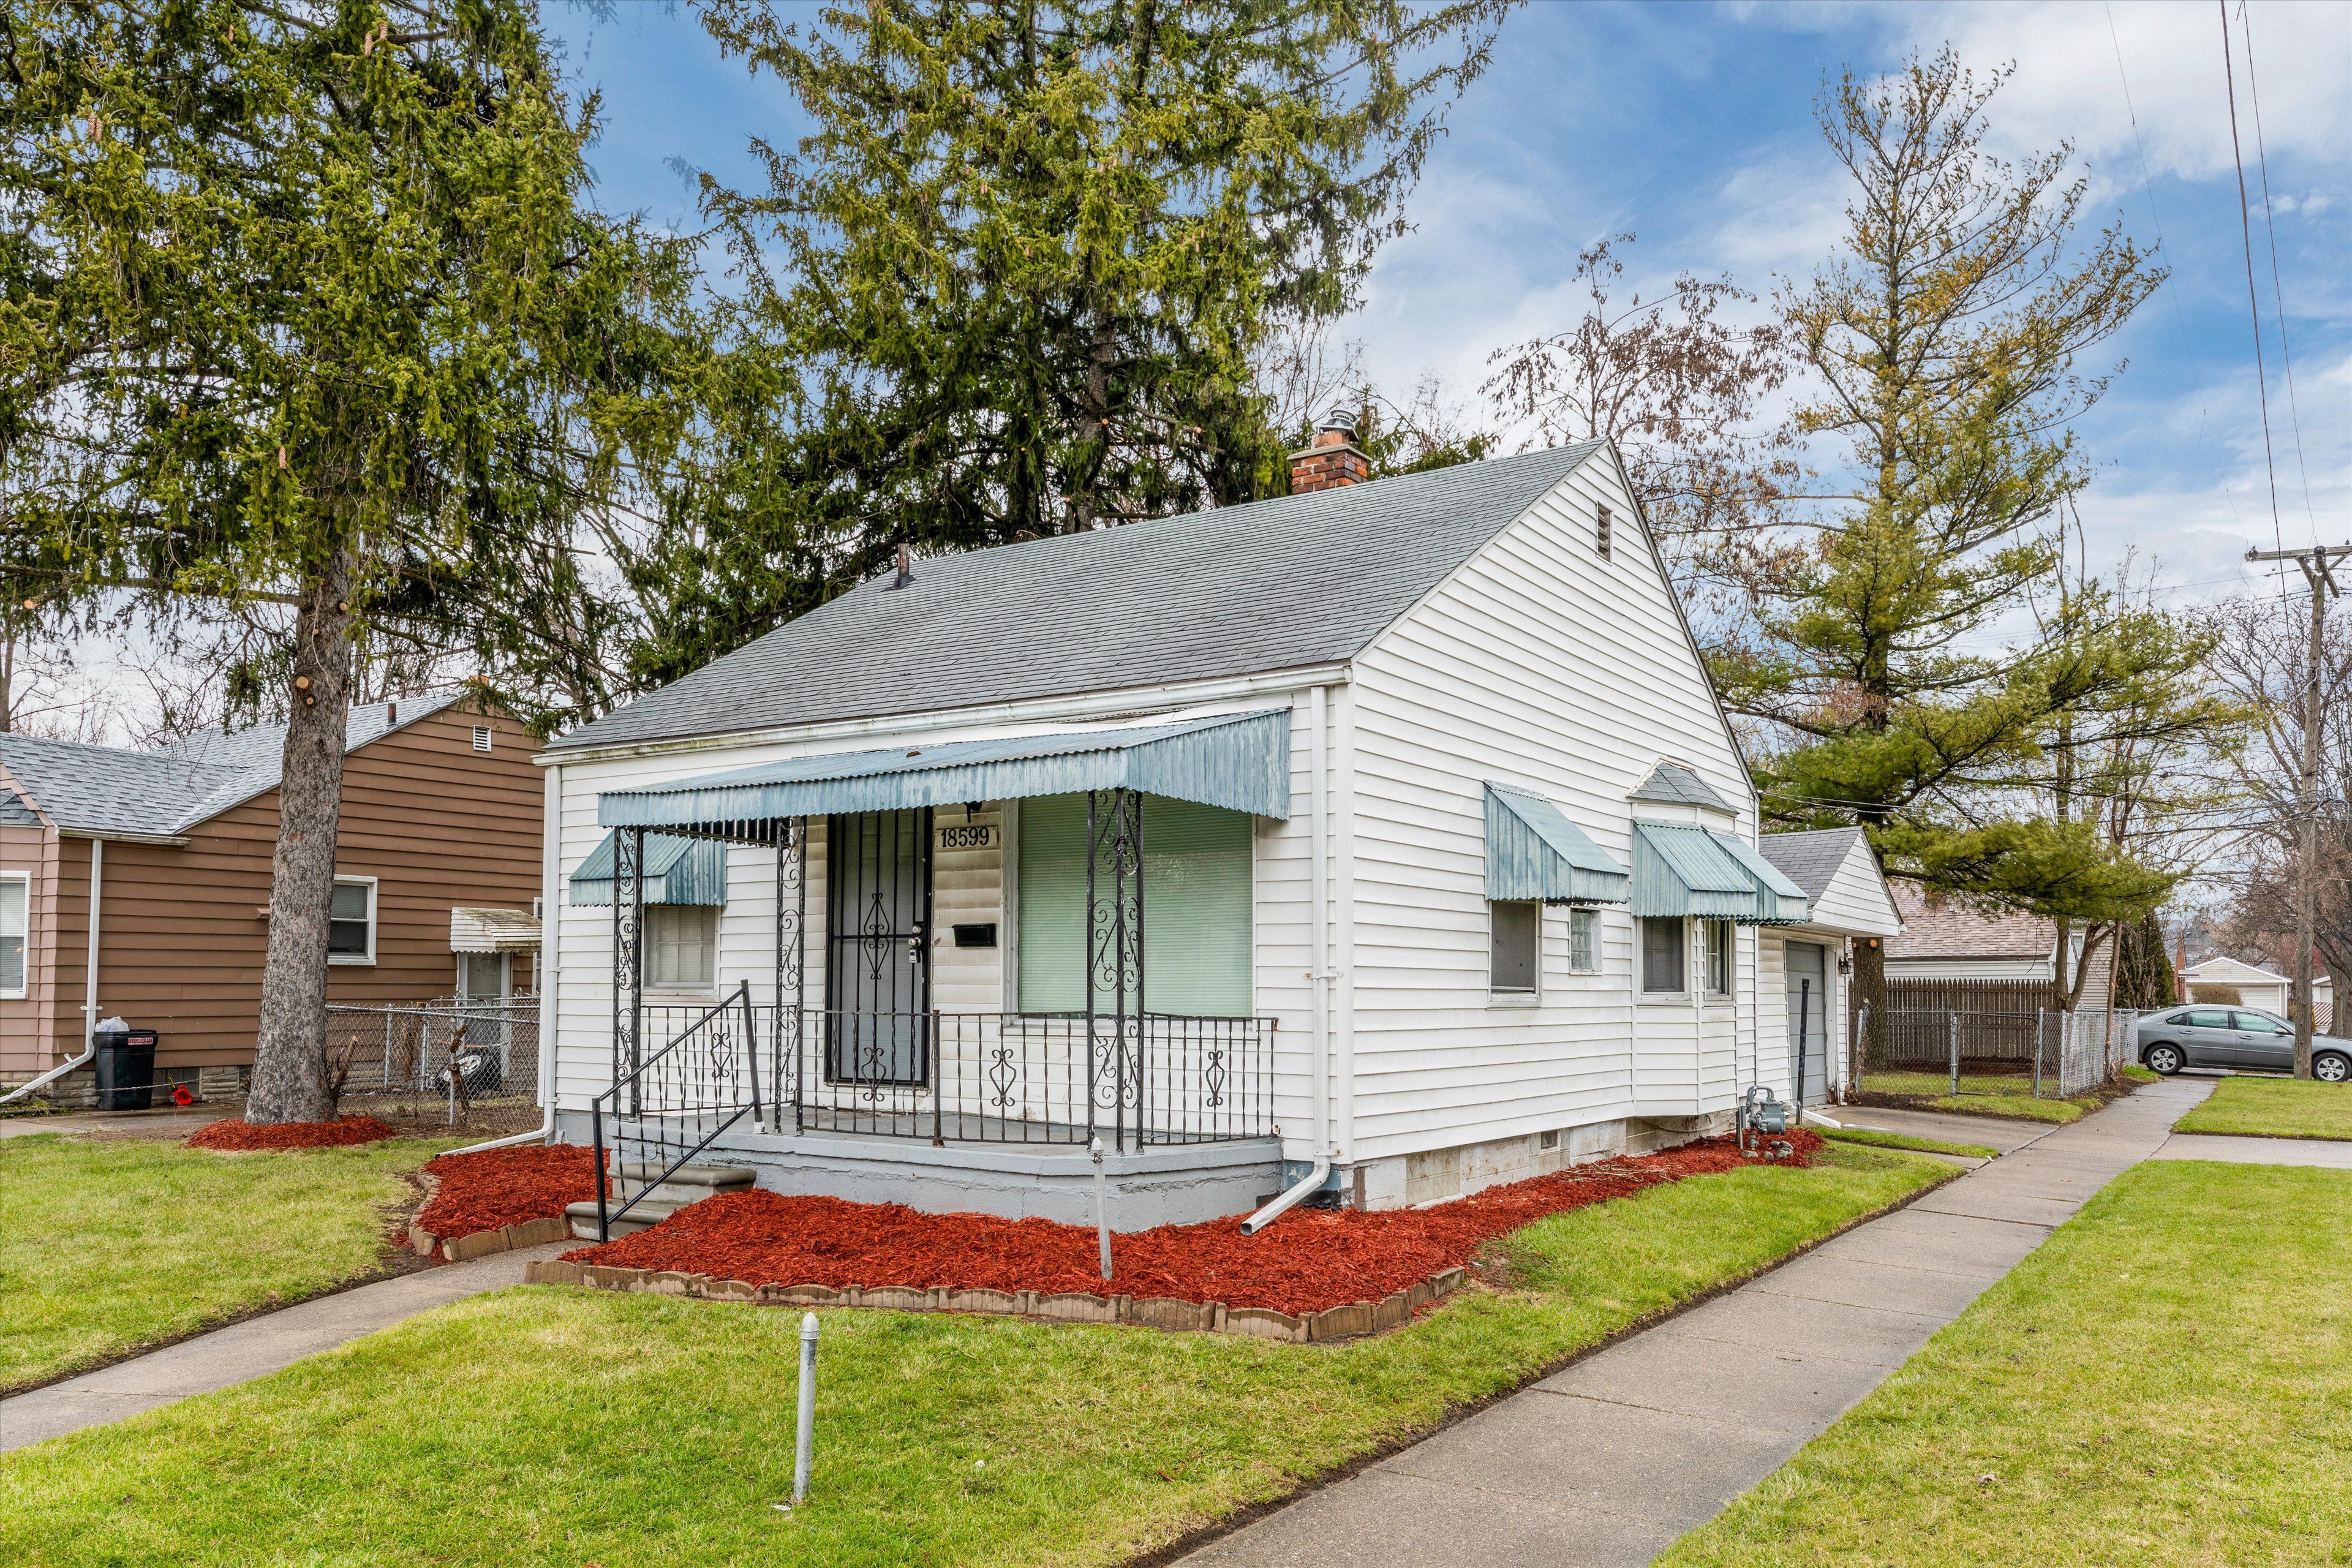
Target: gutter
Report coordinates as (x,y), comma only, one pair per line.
(89,990)
(544,970)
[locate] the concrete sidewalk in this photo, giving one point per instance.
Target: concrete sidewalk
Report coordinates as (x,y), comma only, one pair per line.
(251,1348)
(2006,1133)
(1606,1463)
(2325,1153)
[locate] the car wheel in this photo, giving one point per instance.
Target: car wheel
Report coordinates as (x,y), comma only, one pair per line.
(2331,1067)
(2166,1060)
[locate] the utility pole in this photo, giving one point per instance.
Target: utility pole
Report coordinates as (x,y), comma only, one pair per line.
(2315,563)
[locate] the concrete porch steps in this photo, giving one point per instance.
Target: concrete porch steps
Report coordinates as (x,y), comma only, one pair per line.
(687,1184)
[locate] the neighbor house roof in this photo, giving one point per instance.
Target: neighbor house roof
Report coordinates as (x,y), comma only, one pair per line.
(15,812)
(1810,860)
(2224,970)
(123,791)
(1286,583)
(1671,784)
(1948,927)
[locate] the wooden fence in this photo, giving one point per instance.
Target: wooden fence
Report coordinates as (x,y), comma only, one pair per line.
(1997,1021)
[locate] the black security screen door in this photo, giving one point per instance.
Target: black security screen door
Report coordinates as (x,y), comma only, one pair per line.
(877,947)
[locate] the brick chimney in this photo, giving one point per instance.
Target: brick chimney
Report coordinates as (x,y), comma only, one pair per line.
(1334,459)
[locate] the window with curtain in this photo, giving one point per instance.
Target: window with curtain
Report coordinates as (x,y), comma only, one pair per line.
(16,910)
(1196,907)
(1663,970)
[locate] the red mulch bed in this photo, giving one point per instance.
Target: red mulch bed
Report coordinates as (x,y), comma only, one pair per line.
(1308,1260)
(233,1135)
(500,1187)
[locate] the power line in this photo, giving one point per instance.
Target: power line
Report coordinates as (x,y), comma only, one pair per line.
(2278,297)
(2146,177)
(2253,301)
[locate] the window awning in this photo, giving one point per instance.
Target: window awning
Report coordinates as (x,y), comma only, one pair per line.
(1534,852)
(1680,869)
(677,871)
(1238,760)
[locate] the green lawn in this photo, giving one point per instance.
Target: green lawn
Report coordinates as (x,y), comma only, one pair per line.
(1878,1139)
(2165,1382)
(105,1246)
(2274,1108)
(558,1426)
(2007,1095)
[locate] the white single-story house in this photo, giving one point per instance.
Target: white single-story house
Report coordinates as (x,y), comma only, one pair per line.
(2230,979)
(1809,964)
(1377,842)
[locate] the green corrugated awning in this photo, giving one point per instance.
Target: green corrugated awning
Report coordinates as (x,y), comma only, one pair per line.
(1534,852)
(677,871)
(1238,760)
(1683,870)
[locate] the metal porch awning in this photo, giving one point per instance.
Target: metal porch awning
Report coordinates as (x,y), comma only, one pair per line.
(1682,869)
(1534,852)
(1238,760)
(677,871)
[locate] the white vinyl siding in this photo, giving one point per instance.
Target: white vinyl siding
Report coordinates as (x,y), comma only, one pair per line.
(1196,907)
(15,925)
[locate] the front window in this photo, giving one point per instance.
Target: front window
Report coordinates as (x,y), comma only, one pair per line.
(1663,971)
(2263,1024)
(681,946)
(351,921)
(1718,958)
(1514,936)
(16,907)
(1197,911)
(1584,941)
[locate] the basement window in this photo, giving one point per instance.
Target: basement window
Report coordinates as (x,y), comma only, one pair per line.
(351,921)
(16,907)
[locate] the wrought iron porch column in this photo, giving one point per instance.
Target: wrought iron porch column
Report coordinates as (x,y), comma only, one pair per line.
(628,954)
(791,937)
(1115,961)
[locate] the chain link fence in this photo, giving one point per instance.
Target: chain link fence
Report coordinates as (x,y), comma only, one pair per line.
(1953,1052)
(467,1057)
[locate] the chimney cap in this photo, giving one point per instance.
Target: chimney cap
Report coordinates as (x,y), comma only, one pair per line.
(1339,419)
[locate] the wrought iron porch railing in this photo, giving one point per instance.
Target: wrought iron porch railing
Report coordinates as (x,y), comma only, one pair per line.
(1012,1078)
(674,1104)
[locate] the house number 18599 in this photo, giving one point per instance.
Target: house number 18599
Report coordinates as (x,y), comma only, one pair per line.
(968,835)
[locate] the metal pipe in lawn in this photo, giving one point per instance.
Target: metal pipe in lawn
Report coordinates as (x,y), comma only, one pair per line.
(1102,1210)
(805,1439)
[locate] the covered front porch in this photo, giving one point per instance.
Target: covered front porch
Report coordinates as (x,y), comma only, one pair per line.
(983,959)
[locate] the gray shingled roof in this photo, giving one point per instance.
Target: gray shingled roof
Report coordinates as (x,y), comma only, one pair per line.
(1671,784)
(1810,860)
(1276,584)
(13,812)
(124,790)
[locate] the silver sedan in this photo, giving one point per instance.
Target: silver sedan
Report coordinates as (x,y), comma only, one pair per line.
(2241,1037)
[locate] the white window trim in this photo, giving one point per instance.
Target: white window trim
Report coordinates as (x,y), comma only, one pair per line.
(21,991)
(353,957)
(1529,998)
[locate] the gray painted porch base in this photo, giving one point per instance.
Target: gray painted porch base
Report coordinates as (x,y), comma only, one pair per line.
(1177,1186)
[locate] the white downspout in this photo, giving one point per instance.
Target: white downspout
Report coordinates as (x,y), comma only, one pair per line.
(1318,966)
(1342,965)
(90,991)
(550,840)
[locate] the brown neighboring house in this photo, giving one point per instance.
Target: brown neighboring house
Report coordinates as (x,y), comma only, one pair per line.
(440,834)
(1944,943)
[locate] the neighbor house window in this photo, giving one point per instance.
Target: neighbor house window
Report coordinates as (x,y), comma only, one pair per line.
(1584,941)
(16,909)
(482,974)
(1197,916)
(681,946)
(1663,970)
(351,921)
(1718,958)
(1514,936)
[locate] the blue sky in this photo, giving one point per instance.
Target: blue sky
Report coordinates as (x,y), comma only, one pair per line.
(1690,125)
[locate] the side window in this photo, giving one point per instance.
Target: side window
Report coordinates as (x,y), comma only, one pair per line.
(16,909)
(1718,958)
(350,923)
(2256,1024)
(1584,941)
(681,946)
(1515,936)
(1664,969)
(2205,1020)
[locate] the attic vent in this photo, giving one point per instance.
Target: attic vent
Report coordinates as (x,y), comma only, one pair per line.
(1600,534)
(481,737)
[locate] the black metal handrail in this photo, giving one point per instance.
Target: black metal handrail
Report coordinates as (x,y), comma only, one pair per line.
(680,1099)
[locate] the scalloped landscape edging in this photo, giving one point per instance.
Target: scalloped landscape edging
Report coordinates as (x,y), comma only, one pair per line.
(483,1242)
(1350,1320)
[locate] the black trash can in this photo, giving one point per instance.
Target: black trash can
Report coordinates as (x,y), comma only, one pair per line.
(126,1068)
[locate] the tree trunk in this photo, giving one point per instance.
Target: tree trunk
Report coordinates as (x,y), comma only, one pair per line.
(290,1079)
(1869,986)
